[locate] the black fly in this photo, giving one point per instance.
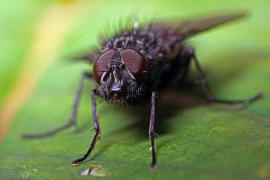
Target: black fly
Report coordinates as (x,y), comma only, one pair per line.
(136,64)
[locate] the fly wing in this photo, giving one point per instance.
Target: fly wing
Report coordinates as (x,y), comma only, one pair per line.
(87,57)
(191,27)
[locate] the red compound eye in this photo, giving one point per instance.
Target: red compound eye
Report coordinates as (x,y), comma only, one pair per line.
(102,63)
(134,61)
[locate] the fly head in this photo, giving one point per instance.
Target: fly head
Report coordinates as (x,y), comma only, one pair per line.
(119,72)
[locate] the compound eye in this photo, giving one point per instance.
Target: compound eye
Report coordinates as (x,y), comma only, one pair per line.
(134,61)
(101,64)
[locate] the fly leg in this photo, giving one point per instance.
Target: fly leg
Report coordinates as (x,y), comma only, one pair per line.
(73,116)
(152,129)
(205,87)
(96,127)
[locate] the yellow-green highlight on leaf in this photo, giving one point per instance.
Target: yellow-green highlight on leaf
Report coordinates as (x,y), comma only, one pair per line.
(264,170)
(50,33)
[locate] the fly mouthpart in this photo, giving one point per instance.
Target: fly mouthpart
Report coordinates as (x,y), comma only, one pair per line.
(115,91)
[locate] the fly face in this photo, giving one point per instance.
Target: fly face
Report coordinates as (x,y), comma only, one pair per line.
(118,71)
(112,80)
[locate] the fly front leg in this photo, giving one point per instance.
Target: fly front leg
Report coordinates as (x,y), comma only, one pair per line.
(73,116)
(96,127)
(152,129)
(206,89)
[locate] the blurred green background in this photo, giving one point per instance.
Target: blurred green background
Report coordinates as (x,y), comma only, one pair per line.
(37,86)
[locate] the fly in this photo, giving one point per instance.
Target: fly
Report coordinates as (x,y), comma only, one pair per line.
(136,64)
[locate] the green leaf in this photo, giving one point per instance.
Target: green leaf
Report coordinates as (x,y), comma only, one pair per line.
(196,140)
